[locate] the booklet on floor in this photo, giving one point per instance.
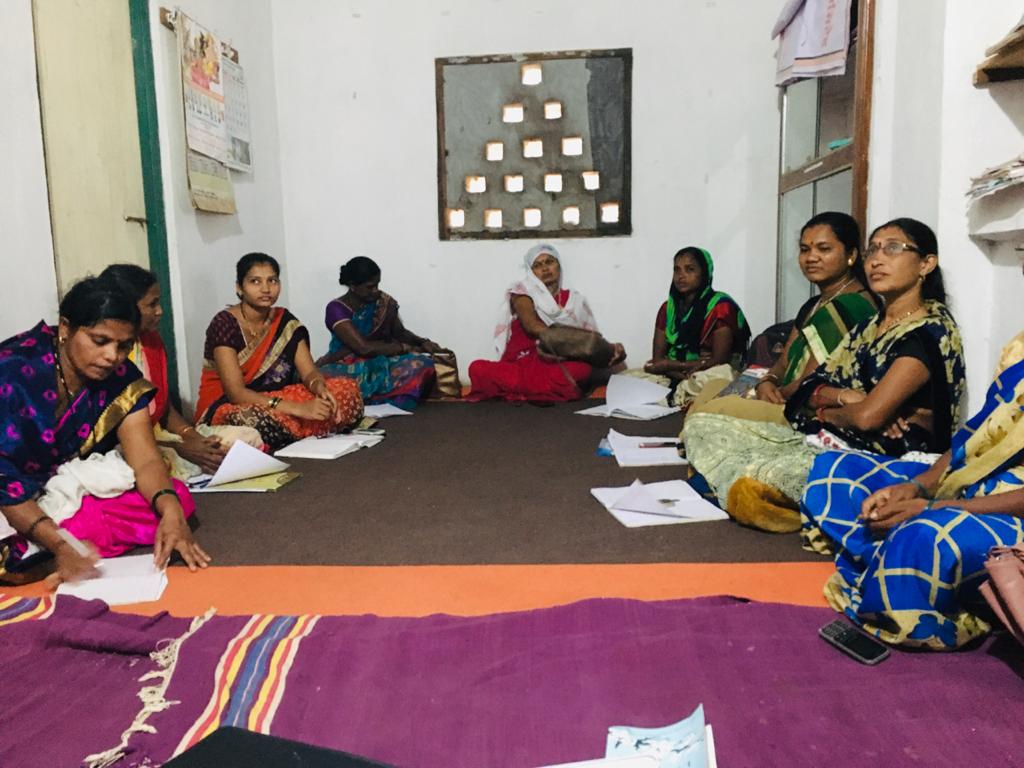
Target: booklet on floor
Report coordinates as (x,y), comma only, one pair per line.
(330,447)
(628,397)
(644,451)
(242,462)
(384,410)
(664,503)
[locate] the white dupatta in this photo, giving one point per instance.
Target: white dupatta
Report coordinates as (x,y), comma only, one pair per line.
(575,314)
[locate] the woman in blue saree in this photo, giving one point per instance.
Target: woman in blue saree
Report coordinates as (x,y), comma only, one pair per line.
(909,539)
(67,393)
(370,344)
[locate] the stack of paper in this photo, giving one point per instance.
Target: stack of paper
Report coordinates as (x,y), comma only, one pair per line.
(330,447)
(997,177)
(243,463)
(630,451)
(628,397)
(121,580)
(665,503)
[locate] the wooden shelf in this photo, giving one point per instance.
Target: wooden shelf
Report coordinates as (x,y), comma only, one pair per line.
(1005,61)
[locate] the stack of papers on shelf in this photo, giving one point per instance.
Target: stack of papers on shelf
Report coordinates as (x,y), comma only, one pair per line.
(119,581)
(330,447)
(382,411)
(998,177)
(628,397)
(665,503)
(244,468)
(631,451)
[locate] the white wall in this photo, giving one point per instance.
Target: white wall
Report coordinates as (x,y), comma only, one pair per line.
(26,257)
(355,85)
(203,247)
(931,131)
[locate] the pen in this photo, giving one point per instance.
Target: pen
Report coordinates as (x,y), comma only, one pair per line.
(77,546)
(661,444)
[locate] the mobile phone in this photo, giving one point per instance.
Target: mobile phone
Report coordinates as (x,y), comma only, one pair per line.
(854,643)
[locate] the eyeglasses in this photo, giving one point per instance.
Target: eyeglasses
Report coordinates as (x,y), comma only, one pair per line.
(891,248)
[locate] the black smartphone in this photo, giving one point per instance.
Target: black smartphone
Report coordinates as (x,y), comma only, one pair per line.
(854,643)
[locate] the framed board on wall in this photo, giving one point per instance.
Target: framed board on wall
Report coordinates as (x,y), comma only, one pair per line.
(534,145)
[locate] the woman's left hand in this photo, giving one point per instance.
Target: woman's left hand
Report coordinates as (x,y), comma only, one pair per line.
(323,393)
(883,519)
(173,535)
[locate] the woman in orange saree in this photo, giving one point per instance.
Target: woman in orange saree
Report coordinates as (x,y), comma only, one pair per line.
(258,371)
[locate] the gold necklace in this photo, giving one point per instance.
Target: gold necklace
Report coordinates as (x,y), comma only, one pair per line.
(898,320)
(248,327)
(823,302)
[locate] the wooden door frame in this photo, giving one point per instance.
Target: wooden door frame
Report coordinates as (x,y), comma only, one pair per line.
(152,178)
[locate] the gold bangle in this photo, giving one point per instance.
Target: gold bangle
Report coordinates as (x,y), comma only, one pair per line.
(839,398)
(186,430)
(314,381)
(274,402)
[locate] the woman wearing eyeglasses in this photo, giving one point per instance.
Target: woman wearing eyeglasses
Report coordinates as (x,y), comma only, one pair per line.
(892,386)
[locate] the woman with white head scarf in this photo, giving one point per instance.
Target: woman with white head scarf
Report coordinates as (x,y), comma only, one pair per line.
(533,303)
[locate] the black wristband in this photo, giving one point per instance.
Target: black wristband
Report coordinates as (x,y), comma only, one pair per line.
(162,492)
(32,527)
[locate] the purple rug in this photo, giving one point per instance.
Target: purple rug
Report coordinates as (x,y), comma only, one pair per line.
(518,689)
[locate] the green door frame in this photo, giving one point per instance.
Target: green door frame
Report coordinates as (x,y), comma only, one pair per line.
(152,179)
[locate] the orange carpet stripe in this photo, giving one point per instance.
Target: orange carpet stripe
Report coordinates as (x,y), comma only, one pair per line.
(467,590)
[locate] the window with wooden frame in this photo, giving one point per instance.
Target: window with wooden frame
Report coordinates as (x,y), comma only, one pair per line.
(534,145)
(824,154)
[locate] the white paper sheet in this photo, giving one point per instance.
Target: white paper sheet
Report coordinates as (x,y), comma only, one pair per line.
(626,391)
(641,761)
(664,503)
(628,397)
(328,447)
(385,410)
(121,580)
(642,451)
(241,463)
(634,412)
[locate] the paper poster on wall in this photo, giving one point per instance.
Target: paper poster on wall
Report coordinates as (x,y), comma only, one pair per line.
(209,184)
(236,111)
(202,89)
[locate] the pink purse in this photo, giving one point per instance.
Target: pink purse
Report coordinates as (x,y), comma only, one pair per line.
(1004,590)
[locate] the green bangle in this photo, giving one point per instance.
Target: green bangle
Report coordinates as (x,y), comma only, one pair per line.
(922,489)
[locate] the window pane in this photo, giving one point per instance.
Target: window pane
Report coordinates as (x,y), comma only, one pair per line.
(834,193)
(836,97)
(795,208)
(799,124)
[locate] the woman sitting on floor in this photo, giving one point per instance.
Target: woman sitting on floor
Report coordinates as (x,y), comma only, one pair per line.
(532,304)
(187,451)
(910,540)
(67,398)
(892,386)
(699,334)
(830,259)
(254,358)
(370,344)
